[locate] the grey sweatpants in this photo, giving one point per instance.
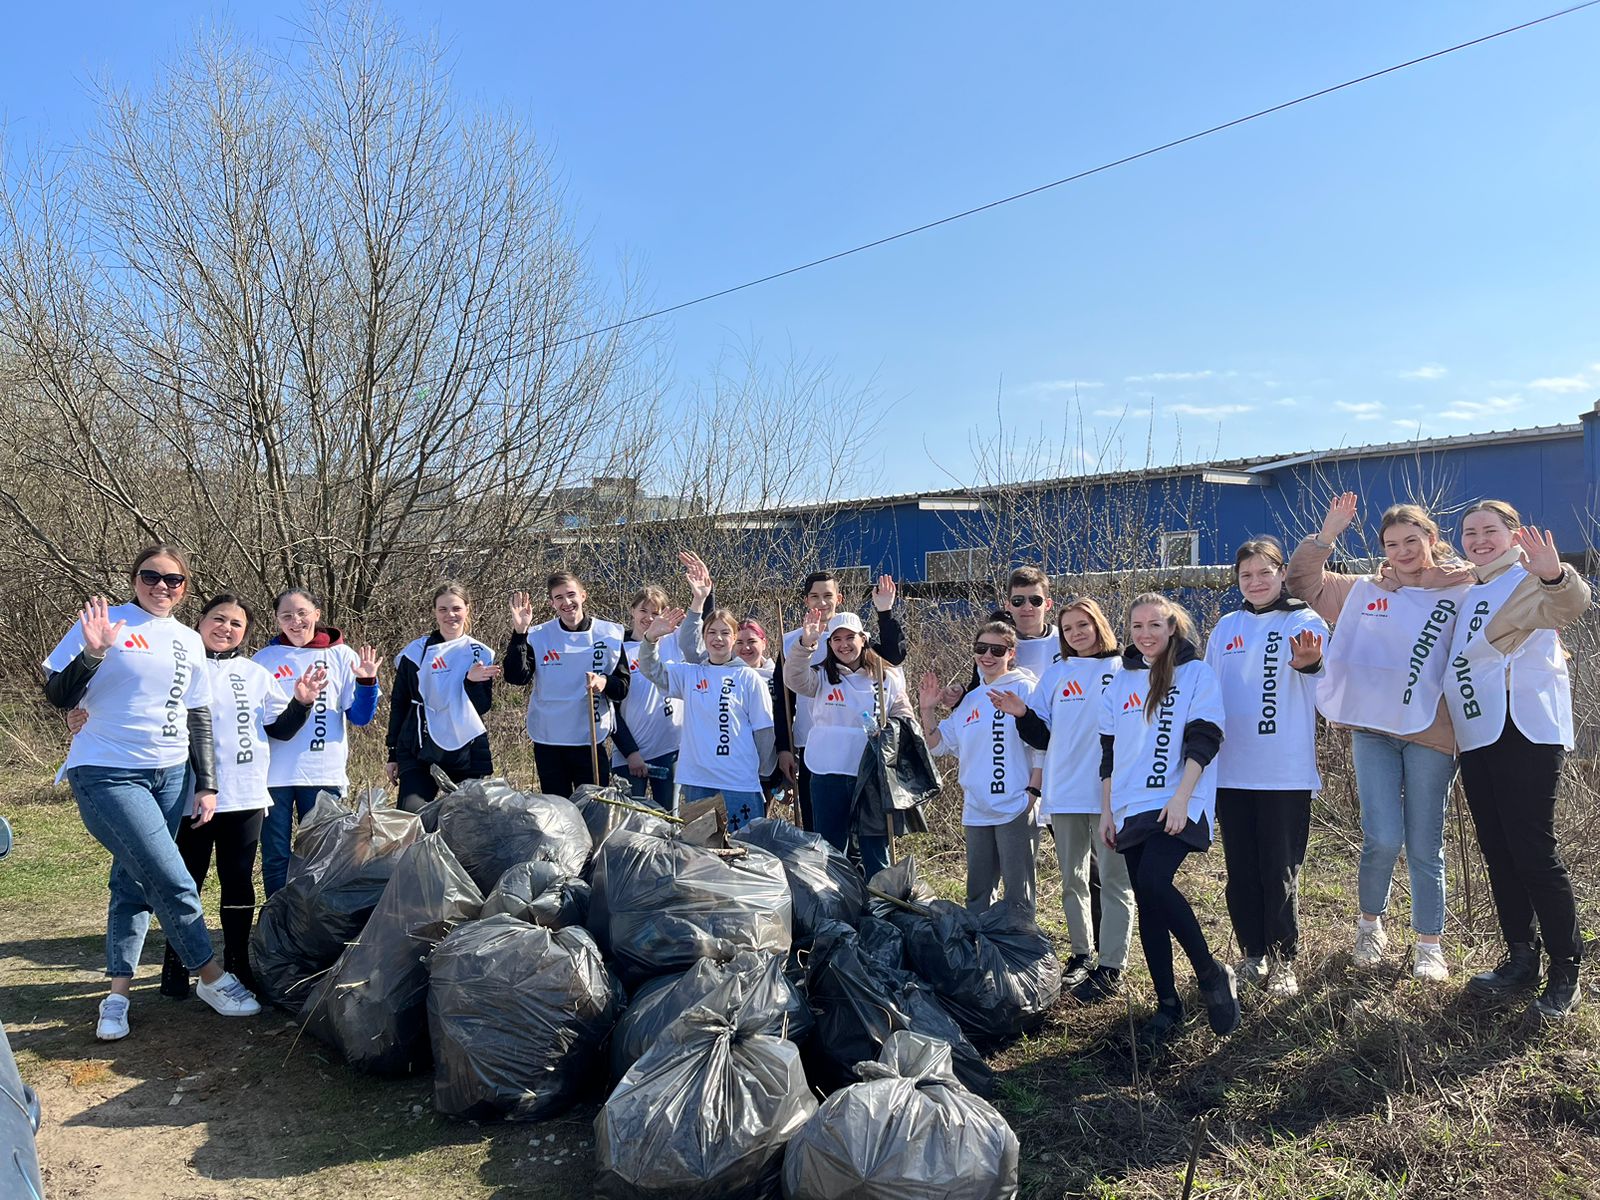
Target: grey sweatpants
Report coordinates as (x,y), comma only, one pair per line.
(1003,854)
(1077,837)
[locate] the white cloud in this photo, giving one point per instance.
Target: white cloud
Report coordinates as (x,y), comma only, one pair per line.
(1062,385)
(1287,402)
(1363,410)
(1562,384)
(1427,371)
(1479,410)
(1210,410)
(1171,377)
(1407,423)
(1109,412)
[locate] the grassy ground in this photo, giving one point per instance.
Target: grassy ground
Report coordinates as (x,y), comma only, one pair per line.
(1368,1085)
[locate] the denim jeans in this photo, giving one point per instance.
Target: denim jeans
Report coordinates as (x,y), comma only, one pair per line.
(741,807)
(657,787)
(134,813)
(1402,786)
(289,805)
(831,801)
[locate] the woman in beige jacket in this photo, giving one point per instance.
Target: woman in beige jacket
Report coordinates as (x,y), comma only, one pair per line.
(1510,701)
(1385,670)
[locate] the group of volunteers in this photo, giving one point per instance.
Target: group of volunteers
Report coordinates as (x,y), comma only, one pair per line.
(1132,750)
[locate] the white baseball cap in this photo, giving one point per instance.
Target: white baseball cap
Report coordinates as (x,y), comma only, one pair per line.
(846,620)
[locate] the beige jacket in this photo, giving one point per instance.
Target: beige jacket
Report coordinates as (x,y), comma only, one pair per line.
(1325,591)
(1534,604)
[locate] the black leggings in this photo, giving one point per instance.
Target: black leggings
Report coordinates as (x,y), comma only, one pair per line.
(562,768)
(1164,914)
(417,787)
(234,837)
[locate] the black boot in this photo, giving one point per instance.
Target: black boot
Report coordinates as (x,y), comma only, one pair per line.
(1102,983)
(236,925)
(1561,996)
(1162,1026)
(1520,970)
(1220,991)
(1074,973)
(174,976)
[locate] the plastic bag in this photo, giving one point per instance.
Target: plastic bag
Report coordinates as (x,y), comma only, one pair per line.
(517,1014)
(824,884)
(759,987)
(540,893)
(909,1131)
(661,903)
(341,864)
(373,1005)
(491,828)
(704,1114)
(859,1002)
(604,819)
(896,776)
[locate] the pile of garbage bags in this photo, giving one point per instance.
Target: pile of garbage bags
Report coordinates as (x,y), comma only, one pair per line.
(824,885)
(491,827)
(540,893)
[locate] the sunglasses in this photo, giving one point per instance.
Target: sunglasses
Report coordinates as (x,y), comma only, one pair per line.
(990,649)
(151,578)
(1035,601)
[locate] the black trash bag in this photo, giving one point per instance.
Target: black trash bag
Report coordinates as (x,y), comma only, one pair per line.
(604,819)
(373,1005)
(661,903)
(902,881)
(881,943)
(758,986)
(896,777)
(491,828)
(517,1014)
(540,893)
(998,976)
(341,864)
(908,1131)
(825,885)
(705,1113)
(858,1003)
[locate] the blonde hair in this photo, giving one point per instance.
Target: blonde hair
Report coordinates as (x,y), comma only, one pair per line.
(1511,517)
(1166,663)
(1089,607)
(1415,514)
(451,588)
(651,593)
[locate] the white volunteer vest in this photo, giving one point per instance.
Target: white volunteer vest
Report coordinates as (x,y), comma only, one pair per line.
(1038,655)
(1147,756)
(840,714)
(562,661)
(1533,678)
(1068,699)
(654,719)
(1270,731)
(1384,666)
(451,720)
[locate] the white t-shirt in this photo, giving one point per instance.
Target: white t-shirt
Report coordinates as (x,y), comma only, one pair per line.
(994,763)
(840,714)
(654,720)
(802,704)
(442,668)
(1038,655)
(244,699)
(1067,698)
(319,755)
(1147,756)
(138,699)
(1271,727)
(562,661)
(723,706)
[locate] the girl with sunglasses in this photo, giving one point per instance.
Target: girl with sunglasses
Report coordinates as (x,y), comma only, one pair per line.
(1160,728)
(317,758)
(999,774)
(140,676)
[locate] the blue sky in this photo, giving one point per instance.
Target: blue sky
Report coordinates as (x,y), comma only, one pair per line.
(1416,253)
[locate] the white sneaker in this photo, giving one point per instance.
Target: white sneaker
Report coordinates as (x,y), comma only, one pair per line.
(1282,984)
(1371,942)
(1431,965)
(113,1023)
(229,997)
(1252,970)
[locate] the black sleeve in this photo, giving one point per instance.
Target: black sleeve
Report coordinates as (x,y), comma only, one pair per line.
(1201,741)
(64,688)
(617,682)
(518,661)
(623,736)
(289,722)
(891,639)
(481,694)
(402,700)
(202,750)
(1107,743)
(710,605)
(1032,729)
(780,718)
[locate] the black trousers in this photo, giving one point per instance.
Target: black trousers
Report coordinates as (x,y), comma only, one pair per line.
(1264,837)
(233,837)
(416,785)
(803,791)
(1511,792)
(562,768)
(1164,914)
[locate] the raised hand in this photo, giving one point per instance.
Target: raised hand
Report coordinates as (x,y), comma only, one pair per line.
(883,594)
(1305,649)
(812,629)
(367,663)
(1008,702)
(930,692)
(309,686)
(521,611)
(697,574)
(950,696)
(1341,512)
(664,624)
(77,718)
(480,672)
(99,634)
(1539,552)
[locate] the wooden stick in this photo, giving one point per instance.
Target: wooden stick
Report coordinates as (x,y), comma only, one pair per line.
(1194,1156)
(594,745)
(920,909)
(638,808)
